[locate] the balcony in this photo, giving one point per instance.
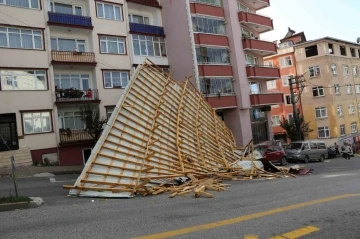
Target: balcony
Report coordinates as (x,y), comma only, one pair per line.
(209,39)
(221,101)
(62,19)
(215,70)
(255,21)
(150,3)
(68,136)
(71,95)
(146,29)
(204,9)
(262,72)
(257,4)
(73,58)
(260,47)
(266,98)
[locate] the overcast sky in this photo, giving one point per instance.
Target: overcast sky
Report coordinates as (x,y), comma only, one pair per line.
(317,18)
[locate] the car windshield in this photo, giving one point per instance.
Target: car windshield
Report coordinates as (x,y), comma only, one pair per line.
(296,146)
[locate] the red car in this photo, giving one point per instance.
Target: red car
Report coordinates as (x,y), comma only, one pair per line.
(275,154)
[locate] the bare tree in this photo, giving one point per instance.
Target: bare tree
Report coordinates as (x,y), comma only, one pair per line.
(94,124)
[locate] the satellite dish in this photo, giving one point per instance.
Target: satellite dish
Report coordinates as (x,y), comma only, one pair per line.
(358,40)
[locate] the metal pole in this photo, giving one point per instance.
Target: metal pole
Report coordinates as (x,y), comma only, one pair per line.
(293,102)
(14,175)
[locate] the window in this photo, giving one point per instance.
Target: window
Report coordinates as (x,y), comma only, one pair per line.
(288,99)
(268,63)
(331,48)
(246,33)
(112,45)
(36,122)
(70,120)
(243,8)
(314,71)
(354,127)
(353,53)
(76,81)
(109,111)
(337,89)
(339,110)
(343,50)
(285,61)
(216,86)
(290,117)
(210,2)
(355,71)
(351,109)
(342,130)
(346,70)
(321,112)
(323,132)
(116,79)
(275,120)
(65,8)
(348,89)
(148,45)
(34,4)
(208,25)
(207,55)
(21,38)
(255,87)
(109,11)
(250,60)
(23,79)
(318,91)
(359,107)
(311,51)
(285,80)
(313,146)
(271,84)
(359,53)
(139,19)
(321,145)
(357,88)
(61,44)
(286,44)
(333,69)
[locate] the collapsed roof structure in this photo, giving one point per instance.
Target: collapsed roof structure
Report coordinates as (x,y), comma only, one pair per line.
(160,130)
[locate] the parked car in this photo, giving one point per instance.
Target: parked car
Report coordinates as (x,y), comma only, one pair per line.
(306,151)
(275,154)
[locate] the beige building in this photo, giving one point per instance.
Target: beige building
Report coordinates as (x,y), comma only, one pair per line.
(330,99)
(55,55)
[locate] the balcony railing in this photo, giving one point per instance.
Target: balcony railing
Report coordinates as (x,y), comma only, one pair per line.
(257,4)
(151,3)
(146,29)
(256,21)
(74,95)
(69,57)
(262,72)
(261,47)
(71,136)
(69,19)
(266,98)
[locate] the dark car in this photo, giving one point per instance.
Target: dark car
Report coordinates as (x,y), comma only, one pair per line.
(275,154)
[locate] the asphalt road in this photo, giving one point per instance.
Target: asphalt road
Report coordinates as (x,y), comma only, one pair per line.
(322,205)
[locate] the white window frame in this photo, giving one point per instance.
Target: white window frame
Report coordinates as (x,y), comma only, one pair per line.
(290,99)
(4,2)
(275,120)
(213,25)
(251,60)
(146,20)
(271,84)
(322,112)
(75,113)
(247,33)
(354,127)
(318,89)
(285,80)
(209,2)
(41,118)
(156,42)
(78,43)
(342,130)
(119,41)
(123,85)
(314,71)
(351,109)
(59,76)
(357,88)
(52,7)
(340,110)
(337,89)
(348,89)
(12,78)
(346,70)
(109,110)
(355,71)
(34,33)
(269,63)
(286,61)
(103,12)
(326,132)
(359,107)
(334,69)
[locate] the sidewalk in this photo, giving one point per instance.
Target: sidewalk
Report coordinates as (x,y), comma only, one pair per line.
(29,171)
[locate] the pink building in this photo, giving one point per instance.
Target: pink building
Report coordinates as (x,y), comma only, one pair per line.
(218,43)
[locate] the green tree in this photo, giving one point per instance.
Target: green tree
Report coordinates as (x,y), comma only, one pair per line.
(94,124)
(291,126)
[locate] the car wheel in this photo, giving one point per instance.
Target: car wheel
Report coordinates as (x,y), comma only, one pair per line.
(284,162)
(322,158)
(306,159)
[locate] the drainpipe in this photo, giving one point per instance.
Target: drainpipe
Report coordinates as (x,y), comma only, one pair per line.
(192,42)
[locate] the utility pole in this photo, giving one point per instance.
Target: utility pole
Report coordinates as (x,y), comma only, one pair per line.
(296,81)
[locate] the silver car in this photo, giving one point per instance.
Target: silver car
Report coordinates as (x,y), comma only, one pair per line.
(306,151)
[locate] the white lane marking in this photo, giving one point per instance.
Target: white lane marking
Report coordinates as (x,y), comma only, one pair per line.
(53,180)
(338,175)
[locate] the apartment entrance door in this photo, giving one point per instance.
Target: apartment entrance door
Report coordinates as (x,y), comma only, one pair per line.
(8,132)
(259,131)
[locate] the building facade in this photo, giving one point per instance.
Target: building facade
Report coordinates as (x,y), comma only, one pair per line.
(286,61)
(330,100)
(222,50)
(57,56)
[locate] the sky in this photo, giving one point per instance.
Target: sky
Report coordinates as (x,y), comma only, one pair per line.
(317,18)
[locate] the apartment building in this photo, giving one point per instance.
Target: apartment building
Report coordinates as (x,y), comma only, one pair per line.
(330,100)
(218,43)
(286,61)
(57,55)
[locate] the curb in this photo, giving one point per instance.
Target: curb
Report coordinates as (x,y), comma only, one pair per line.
(36,202)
